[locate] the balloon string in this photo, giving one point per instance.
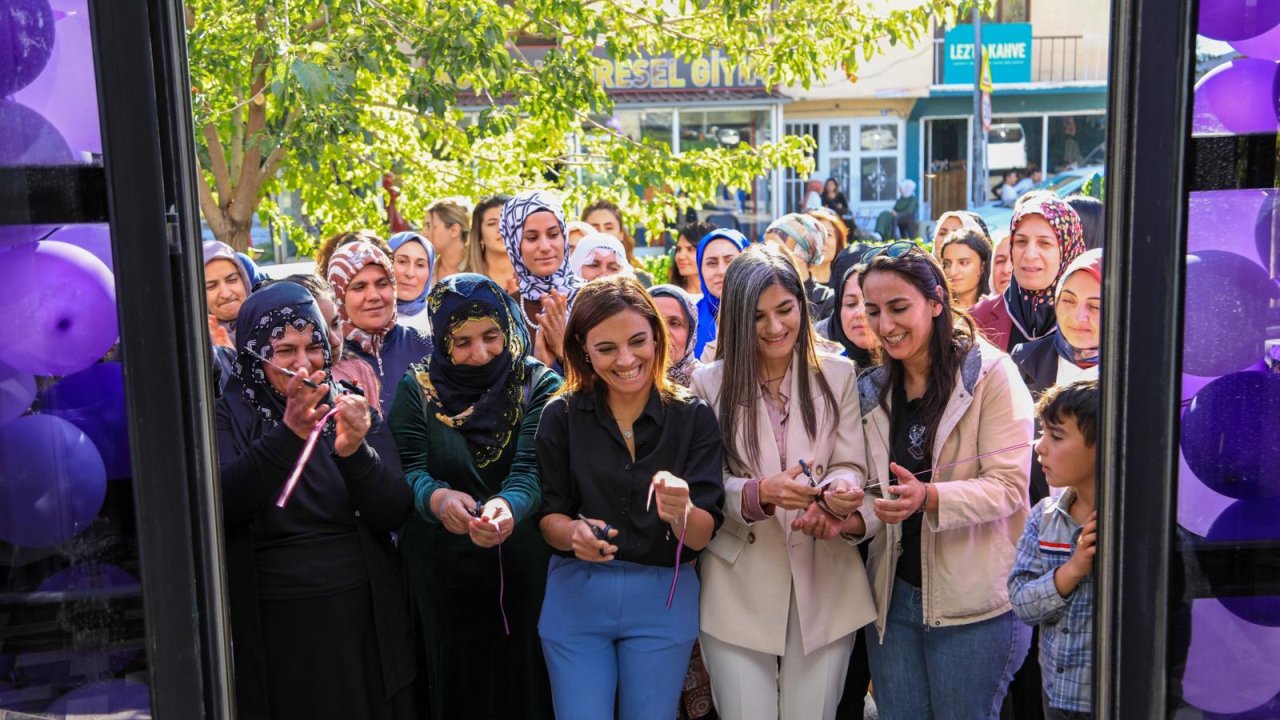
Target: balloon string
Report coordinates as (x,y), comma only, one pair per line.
(502,589)
(961,461)
(292,483)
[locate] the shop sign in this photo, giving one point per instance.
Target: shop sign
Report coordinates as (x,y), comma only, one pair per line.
(1007,46)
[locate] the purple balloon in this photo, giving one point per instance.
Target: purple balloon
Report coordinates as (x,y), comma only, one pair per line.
(1226,313)
(1237,98)
(1226,220)
(94,237)
(29,139)
(1229,435)
(17,390)
(1231,664)
(121,699)
(26,42)
(14,235)
(91,576)
(58,312)
(1267,711)
(1198,506)
(1229,20)
(54,481)
(1266,230)
(1264,47)
(66,93)
(93,399)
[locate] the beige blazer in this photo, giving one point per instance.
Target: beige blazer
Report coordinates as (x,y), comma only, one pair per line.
(749,569)
(968,545)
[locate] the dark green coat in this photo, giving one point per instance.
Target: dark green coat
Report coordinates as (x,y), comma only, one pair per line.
(472,669)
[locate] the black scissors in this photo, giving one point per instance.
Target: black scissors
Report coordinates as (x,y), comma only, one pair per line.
(349,387)
(601,533)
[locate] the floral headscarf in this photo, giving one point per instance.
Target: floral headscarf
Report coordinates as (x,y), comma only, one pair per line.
(1032,311)
(483,403)
(602,242)
(511,227)
(680,371)
(264,317)
(410,308)
(346,262)
(807,233)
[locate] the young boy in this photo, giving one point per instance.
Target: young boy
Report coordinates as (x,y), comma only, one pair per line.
(1051,584)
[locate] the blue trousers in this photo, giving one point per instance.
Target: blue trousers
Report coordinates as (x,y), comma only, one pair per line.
(608,636)
(958,672)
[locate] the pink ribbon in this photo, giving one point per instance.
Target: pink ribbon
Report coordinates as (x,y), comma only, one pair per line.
(961,461)
(292,483)
(684,526)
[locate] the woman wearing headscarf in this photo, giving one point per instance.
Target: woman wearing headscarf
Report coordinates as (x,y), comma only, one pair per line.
(415,260)
(681,316)
(848,326)
(715,251)
(464,420)
(598,255)
(226,285)
(951,221)
(804,238)
(902,218)
(533,229)
(364,285)
(319,612)
(1045,238)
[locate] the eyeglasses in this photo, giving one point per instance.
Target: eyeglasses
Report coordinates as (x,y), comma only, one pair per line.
(893,250)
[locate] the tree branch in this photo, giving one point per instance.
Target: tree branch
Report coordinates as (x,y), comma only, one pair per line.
(209,207)
(218,159)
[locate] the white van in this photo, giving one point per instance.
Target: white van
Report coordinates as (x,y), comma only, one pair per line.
(1006,147)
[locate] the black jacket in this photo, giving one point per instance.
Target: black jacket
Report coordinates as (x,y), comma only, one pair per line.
(1037,361)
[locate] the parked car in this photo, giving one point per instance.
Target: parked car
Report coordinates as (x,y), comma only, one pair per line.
(1064,183)
(1006,147)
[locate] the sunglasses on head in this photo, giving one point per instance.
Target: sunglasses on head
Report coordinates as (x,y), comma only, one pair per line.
(893,250)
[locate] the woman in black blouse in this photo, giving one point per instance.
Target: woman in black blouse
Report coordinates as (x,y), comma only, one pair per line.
(319,612)
(620,431)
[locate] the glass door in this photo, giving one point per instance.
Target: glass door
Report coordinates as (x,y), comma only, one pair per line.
(108,598)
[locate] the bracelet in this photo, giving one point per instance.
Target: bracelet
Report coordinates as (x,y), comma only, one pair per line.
(920,510)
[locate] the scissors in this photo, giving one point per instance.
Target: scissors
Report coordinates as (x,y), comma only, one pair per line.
(347,386)
(601,533)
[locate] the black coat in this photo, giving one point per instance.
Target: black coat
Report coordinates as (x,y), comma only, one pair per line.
(1037,361)
(255,460)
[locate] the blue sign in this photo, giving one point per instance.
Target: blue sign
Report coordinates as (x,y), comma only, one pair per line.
(1008,48)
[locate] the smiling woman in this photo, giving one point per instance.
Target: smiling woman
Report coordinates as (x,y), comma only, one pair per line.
(364,286)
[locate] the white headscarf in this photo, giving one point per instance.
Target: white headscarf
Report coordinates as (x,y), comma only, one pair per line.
(907,188)
(594,242)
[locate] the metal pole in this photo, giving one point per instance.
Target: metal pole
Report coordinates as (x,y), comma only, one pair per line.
(978,172)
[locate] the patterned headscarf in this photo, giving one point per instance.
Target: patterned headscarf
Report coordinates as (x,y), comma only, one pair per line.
(598,241)
(1032,311)
(263,318)
(1089,262)
(483,403)
(410,308)
(807,233)
(346,262)
(681,371)
(511,227)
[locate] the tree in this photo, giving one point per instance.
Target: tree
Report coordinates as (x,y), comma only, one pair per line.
(322,97)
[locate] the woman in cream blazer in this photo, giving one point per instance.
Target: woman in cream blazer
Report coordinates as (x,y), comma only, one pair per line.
(783,587)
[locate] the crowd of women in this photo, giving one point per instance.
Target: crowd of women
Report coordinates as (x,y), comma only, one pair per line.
(491,470)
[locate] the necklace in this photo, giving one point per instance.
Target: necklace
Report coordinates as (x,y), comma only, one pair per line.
(628,434)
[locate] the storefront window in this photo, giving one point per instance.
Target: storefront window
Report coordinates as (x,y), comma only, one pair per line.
(747,209)
(72,635)
(946,159)
(645,125)
(878,146)
(1076,141)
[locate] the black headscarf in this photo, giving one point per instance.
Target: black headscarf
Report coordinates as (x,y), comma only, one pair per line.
(482,403)
(263,317)
(860,357)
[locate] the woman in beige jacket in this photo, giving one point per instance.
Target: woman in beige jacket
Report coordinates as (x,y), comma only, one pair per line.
(782,591)
(948,425)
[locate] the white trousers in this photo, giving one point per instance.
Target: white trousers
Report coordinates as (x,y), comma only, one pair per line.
(750,685)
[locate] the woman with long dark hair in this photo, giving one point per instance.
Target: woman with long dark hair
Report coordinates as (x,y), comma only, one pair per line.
(783,592)
(486,251)
(619,432)
(947,641)
(966,261)
(464,420)
(684,258)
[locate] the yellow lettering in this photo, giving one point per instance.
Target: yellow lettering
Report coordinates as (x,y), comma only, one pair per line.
(640,74)
(673,74)
(623,74)
(700,70)
(604,75)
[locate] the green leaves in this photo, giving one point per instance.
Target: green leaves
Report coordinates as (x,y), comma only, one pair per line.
(475,97)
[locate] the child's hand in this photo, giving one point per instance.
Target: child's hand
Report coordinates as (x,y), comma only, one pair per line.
(1087,545)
